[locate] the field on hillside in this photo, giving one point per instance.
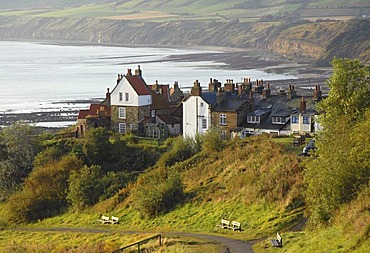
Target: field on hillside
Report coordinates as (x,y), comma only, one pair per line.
(190,9)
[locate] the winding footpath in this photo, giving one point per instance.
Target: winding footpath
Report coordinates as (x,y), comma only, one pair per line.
(232,245)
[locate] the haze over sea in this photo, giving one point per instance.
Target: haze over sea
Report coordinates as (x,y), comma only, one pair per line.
(39,77)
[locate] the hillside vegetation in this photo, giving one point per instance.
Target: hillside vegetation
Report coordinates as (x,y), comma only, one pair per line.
(317,203)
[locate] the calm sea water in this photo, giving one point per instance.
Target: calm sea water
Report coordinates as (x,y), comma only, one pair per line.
(40,77)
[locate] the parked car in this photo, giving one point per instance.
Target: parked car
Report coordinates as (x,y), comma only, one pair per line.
(309,147)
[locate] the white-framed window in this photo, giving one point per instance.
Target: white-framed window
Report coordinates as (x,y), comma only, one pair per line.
(306,120)
(122,112)
(120,96)
(295,120)
(223,119)
(152,113)
(122,128)
(253,119)
(204,123)
(132,127)
(127,97)
(278,120)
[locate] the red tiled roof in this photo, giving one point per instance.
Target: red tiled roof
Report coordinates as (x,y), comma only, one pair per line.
(94,111)
(139,85)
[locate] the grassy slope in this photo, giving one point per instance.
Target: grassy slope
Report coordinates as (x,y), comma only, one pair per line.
(244,182)
(231,9)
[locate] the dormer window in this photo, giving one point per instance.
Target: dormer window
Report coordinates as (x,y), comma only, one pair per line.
(253,119)
(278,120)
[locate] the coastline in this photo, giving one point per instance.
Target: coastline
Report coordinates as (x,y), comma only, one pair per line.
(233,58)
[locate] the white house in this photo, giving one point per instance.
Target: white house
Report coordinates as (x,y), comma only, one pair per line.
(197,111)
(130,101)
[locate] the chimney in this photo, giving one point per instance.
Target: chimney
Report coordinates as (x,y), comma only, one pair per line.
(290,91)
(129,73)
(211,87)
(302,106)
(107,98)
(176,85)
(317,94)
(196,90)
(266,92)
(155,86)
(229,85)
(138,71)
(251,101)
(220,95)
(119,78)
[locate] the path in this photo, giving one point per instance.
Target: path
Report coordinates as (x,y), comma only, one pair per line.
(232,245)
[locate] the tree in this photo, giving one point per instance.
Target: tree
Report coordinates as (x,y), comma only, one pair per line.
(342,165)
(96,146)
(18,147)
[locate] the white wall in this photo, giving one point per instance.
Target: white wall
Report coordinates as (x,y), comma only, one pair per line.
(194,110)
(134,100)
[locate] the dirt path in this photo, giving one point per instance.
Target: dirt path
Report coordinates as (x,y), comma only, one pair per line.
(232,245)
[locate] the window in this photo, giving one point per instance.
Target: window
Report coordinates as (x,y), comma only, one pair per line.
(122,128)
(294,119)
(253,119)
(122,112)
(201,104)
(132,127)
(120,96)
(204,123)
(223,119)
(277,120)
(127,97)
(306,120)
(152,113)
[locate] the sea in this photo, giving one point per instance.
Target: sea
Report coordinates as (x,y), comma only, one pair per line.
(39,77)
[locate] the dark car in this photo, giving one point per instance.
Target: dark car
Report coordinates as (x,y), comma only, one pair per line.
(310,146)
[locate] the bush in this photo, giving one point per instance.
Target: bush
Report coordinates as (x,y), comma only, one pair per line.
(44,192)
(85,187)
(158,192)
(212,141)
(180,149)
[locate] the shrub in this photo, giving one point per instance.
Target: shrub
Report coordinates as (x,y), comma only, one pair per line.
(44,191)
(85,187)
(179,150)
(158,192)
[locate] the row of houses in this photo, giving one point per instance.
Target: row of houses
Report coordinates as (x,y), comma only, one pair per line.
(238,109)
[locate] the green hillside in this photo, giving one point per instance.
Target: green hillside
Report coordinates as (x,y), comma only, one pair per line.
(214,9)
(53,190)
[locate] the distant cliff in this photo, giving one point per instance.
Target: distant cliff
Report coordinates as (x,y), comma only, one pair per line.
(317,42)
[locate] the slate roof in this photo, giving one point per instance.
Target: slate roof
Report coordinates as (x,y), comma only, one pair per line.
(167,119)
(209,97)
(230,103)
(139,85)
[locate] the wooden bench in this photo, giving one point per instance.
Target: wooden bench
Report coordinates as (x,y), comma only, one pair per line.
(104,219)
(226,224)
(114,220)
(236,226)
(278,242)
